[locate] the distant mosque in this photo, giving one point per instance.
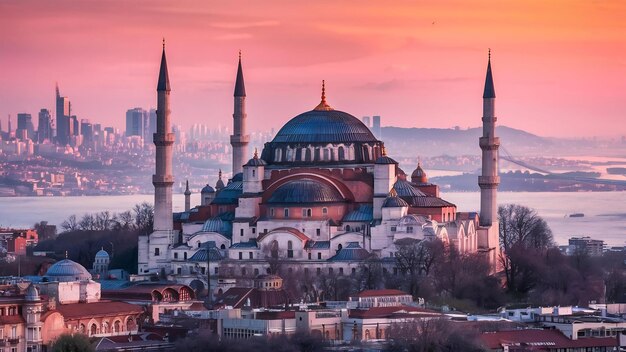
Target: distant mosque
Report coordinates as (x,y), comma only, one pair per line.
(322,197)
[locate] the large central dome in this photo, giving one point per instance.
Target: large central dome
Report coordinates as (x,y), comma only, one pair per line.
(324,126)
(322,136)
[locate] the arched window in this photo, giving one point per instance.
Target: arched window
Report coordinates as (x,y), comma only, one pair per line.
(342,154)
(367,334)
(277,155)
(274,250)
(326,154)
(222,246)
(366,153)
(286,212)
(299,154)
(309,212)
(253,172)
(317,155)
(117,326)
(347,227)
(130,324)
(185,255)
(82,329)
(339,247)
(307,154)
(93,329)
(289,249)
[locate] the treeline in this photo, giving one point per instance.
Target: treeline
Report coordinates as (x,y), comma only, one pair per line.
(117,233)
(532,270)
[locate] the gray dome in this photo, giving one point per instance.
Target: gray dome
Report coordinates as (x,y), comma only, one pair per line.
(324,126)
(207,189)
(102,254)
(32,294)
(305,191)
(395,202)
(67,270)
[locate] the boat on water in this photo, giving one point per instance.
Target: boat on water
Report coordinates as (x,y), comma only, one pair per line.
(576,215)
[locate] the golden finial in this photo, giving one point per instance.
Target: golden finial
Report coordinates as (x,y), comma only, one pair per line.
(323,105)
(163,43)
(65,254)
(489,53)
(419,161)
(219,174)
(384,151)
(239,54)
(256,153)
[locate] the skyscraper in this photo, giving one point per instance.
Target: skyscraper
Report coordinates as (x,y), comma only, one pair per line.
(366,121)
(376,126)
(44,127)
(63,110)
(25,128)
(86,130)
(136,122)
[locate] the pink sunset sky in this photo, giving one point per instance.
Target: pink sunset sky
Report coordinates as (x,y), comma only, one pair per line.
(559,66)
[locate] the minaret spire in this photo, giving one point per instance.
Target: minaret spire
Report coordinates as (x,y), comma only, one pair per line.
(163,140)
(187,196)
(239,139)
(489,143)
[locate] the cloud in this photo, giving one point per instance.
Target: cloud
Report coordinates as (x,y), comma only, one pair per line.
(389,85)
(234,36)
(245,25)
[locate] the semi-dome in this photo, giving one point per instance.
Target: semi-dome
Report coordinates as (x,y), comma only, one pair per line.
(32,294)
(305,191)
(67,270)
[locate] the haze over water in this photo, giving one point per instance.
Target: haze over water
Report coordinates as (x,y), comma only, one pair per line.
(605,212)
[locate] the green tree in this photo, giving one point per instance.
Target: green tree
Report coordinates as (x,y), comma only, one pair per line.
(72,343)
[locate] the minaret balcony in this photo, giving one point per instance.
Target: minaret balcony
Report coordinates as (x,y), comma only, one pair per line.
(161,139)
(489,143)
(165,180)
(488,181)
(239,139)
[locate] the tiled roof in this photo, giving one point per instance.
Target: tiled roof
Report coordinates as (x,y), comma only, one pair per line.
(378,293)
(11,319)
(201,255)
(229,194)
(392,312)
(97,309)
(248,244)
(318,245)
(534,338)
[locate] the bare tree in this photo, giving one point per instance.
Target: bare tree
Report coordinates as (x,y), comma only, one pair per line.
(70,224)
(436,334)
(523,233)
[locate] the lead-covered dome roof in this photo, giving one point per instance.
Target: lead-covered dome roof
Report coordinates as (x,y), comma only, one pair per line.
(305,191)
(67,270)
(324,126)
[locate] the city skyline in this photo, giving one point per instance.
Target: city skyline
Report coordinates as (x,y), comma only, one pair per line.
(403,63)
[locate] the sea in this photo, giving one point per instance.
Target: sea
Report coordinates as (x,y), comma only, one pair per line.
(604,212)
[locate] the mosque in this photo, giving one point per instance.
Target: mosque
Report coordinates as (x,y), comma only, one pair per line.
(322,197)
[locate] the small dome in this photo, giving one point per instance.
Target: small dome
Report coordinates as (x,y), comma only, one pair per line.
(256,161)
(305,191)
(395,202)
(216,225)
(67,270)
(418,175)
(102,254)
(207,189)
(32,294)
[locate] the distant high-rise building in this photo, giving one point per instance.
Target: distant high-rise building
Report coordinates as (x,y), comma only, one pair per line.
(44,127)
(136,121)
(63,111)
(585,245)
(86,130)
(10,131)
(366,121)
(376,126)
(25,128)
(74,126)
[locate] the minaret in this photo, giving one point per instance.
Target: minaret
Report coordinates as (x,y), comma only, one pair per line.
(163,140)
(489,144)
(239,140)
(187,196)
